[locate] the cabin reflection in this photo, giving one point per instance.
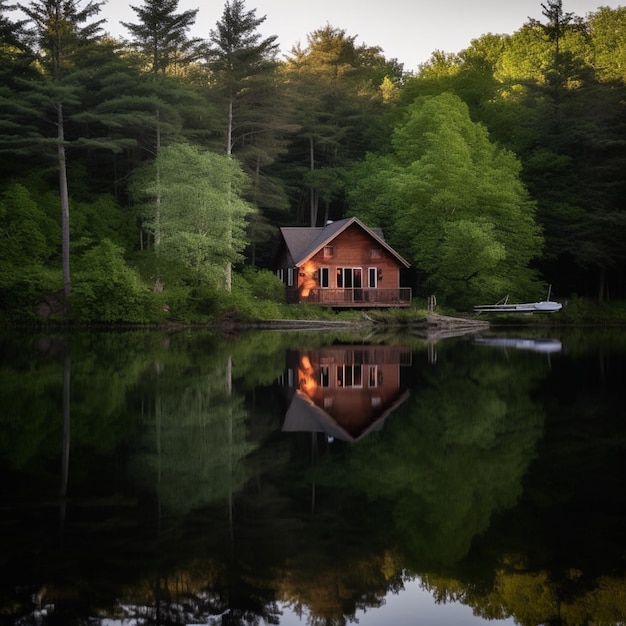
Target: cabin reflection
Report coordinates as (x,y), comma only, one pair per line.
(344,391)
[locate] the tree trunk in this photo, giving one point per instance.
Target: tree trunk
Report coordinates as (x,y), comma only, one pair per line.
(229,127)
(65,203)
(65,445)
(313,191)
(228,270)
(601,284)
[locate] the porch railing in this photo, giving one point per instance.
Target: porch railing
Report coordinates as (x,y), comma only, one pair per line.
(360,297)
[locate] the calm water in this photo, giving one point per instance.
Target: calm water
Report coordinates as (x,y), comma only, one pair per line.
(312,478)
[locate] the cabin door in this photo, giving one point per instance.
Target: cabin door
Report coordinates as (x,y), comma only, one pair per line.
(351,279)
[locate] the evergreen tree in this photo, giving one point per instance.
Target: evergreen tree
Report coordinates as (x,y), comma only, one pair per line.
(247,90)
(161,36)
(236,56)
(11,33)
(558,25)
(62,29)
(340,98)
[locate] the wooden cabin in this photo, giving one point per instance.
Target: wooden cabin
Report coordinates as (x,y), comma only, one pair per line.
(342,264)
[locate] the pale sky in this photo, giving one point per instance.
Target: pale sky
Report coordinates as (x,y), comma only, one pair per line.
(409,30)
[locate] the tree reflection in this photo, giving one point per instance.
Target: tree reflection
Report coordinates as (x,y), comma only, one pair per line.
(186,503)
(453,456)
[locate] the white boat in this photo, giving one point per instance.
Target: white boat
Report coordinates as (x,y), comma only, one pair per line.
(543,306)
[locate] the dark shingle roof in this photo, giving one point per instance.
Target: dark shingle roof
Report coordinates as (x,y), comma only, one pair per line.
(304,242)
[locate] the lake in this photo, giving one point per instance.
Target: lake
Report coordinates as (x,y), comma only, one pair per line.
(309,478)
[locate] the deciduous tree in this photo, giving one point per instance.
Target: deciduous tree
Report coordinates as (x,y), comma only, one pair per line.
(201,216)
(453,203)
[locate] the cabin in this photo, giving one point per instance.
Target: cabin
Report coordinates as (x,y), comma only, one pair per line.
(342,264)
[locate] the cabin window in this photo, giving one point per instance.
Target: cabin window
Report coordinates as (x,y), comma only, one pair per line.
(372,277)
(324,376)
(349,277)
(290,276)
(372,376)
(281,275)
(329,252)
(376,252)
(324,277)
(350,376)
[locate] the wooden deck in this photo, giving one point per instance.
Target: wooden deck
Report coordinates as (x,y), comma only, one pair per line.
(360,297)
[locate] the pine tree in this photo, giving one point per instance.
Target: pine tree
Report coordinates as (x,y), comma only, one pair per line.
(161,36)
(252,98)
(236,57)
(339,93)
(61,30)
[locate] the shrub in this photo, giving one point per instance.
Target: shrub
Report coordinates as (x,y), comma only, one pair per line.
(106,289)
(22,287)
(264,284)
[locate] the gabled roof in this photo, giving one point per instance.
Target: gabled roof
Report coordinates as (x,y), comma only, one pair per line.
(303,415)
(303,242)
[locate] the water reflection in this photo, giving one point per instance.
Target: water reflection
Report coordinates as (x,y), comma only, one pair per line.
(345,391)
(546,345)
(169,466)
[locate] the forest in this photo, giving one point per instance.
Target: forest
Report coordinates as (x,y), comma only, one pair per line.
(145,179)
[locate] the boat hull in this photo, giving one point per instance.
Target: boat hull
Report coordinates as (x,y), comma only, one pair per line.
(545,306)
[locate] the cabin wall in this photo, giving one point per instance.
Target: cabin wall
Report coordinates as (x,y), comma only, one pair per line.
(352,248)
(283,264)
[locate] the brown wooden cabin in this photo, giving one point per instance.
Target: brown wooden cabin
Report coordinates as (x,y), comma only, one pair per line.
(344,391)
(342,264)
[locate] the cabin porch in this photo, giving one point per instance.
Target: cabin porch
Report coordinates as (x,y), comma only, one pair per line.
(359,297)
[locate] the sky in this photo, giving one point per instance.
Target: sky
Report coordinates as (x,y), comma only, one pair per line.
(408,30)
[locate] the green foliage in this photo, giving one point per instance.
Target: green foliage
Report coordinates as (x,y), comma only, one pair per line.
(103,218)
(607,29)
(339,111)
(107,289)
(23,286)
(194,209)
(307,129)
(452,202)
(28,241)
(470,254)
(264,284)
(26,231)
(161,35)
(583,311)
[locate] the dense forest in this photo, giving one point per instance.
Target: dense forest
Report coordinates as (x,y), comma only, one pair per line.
(146,178)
